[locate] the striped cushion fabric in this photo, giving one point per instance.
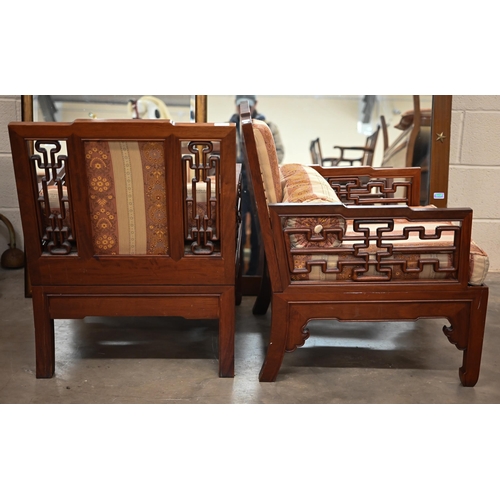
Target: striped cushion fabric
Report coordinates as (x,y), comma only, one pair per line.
(304,184)
(268,161)
(127,197)
(479,264)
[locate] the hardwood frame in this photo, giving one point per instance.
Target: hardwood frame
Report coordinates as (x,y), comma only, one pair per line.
(296,301)
(69,283)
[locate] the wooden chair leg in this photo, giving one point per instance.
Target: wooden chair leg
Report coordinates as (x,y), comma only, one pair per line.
(27,282)
(277,342)
(469,371)
(44,337)
(263,300)
(239,272)
(227,325)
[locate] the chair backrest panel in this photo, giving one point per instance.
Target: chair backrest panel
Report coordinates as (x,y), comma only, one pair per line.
(258,161)
(315,149)
(268,159)
(127,197)
(111,194)
(371,143)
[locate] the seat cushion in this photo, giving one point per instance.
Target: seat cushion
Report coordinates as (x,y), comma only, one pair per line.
(479,264)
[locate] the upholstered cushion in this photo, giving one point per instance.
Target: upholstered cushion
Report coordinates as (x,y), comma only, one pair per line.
(302,184)
(268,161)
(403,262)
(479,264)
(127,197)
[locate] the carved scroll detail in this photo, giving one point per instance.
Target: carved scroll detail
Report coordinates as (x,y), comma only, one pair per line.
(202,227)
(55,214)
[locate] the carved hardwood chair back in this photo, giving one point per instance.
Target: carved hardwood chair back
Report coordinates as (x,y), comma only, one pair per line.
(128,218)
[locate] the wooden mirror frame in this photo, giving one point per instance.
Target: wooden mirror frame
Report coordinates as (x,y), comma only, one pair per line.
(200,111)
(440,150)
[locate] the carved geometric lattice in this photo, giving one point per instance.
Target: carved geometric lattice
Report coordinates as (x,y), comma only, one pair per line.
(379,250)
(202,169)
(354,190)
(55,214)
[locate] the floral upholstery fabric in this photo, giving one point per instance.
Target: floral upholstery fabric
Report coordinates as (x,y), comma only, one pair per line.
(127,197)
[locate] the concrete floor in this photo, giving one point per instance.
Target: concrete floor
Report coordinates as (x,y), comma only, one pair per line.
(171,360)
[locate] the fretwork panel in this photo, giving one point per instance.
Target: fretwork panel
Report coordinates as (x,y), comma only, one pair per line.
(49,165)
(374,250)
(201,215)
(364,191)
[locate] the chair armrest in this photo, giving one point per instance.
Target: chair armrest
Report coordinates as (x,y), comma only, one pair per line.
(352,148)
(378,244)
(343,149)
(331,161)
(369,185)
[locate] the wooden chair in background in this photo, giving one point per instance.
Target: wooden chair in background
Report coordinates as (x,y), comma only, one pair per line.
(317,155)
(385,132)
(367,153)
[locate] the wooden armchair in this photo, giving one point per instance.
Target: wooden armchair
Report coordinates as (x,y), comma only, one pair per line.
(129,218)
(317,156)
(329,260)
(366,152)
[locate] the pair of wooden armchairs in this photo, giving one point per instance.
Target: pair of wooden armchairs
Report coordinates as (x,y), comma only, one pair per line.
(141,218)
(350,245)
